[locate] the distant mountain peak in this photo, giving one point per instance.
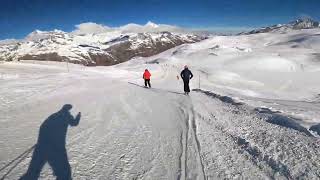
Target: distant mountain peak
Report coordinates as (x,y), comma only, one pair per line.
(38,34)
(301,19)
(301,23)
(152,24)
(304,23)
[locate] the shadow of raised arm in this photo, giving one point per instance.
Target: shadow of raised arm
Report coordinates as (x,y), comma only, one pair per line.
(75,121)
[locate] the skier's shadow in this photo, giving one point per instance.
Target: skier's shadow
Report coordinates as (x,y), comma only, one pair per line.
(154,89)
(51,145)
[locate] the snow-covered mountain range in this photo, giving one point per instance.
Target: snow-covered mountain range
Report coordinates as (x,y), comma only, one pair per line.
(95,46)
(302,23)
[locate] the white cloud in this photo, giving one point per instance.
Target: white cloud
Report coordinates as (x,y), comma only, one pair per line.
(94,28)
(8,41)
(149,27)
(91,28)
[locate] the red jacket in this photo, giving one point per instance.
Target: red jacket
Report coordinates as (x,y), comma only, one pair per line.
(146,75)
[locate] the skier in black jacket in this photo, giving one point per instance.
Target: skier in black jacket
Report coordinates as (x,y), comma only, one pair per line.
(186,75)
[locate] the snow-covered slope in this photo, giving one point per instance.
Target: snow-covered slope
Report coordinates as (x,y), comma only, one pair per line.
(105,48)
(274,70)
(272,65)
(129,132)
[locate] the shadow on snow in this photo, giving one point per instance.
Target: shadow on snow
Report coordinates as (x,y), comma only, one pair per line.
(51,145)
(159,90)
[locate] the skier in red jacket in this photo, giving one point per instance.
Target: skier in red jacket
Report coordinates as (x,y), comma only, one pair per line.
(146,77)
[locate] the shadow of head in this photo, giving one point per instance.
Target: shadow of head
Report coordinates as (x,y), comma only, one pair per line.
(66,107)
(51,145)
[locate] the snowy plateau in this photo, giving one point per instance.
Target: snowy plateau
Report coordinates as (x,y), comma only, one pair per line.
(253,112)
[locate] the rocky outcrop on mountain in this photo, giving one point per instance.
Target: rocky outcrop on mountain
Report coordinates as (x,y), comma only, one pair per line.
(92,49)
(149,45)
(303,23)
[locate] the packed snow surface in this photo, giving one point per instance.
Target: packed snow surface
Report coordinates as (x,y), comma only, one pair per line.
(254,113)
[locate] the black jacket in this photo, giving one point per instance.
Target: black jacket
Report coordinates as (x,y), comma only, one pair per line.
(186,74)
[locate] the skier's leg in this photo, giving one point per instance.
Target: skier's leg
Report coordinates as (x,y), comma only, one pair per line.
(145,83)
(188,87)
(38,160)
(60,165)
(149,83)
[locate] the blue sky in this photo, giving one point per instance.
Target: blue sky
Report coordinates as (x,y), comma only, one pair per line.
(20,17)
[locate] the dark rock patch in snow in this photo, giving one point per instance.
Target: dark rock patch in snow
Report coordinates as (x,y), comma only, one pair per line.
(213,54)
(155,61)
(275,117)
(119,39)
(176,52)
(215,47)
(85,45)
(265,110)
(295,46)
(316,58)
(225,99)
(315,128)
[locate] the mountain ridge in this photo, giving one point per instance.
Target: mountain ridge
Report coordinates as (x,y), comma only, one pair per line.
(301,23)
(107,48)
